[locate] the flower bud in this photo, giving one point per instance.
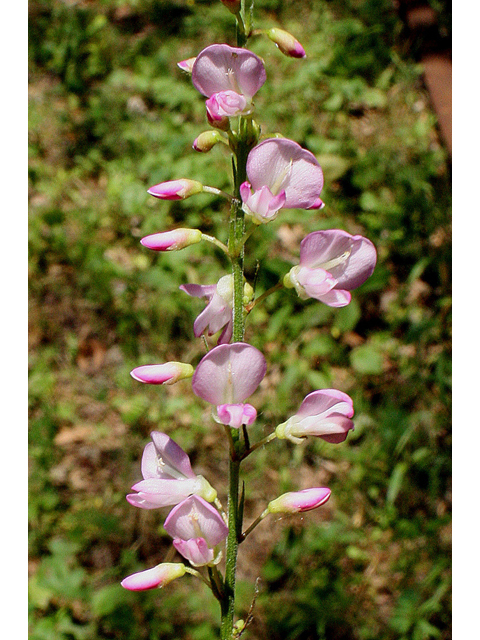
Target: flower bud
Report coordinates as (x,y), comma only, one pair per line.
(176,189)
(299,501)
(287,44)
(167,373)
(172,240)
(206,141)
(186,65)
(248,293)
(233,6)
(157,577)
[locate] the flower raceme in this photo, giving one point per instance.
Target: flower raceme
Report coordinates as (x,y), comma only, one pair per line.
(332,263)
(168,476)
(226,377)
(229,77)
(281,175)
(325,414)
(196,528)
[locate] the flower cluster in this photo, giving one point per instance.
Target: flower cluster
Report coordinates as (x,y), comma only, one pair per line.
(276,174)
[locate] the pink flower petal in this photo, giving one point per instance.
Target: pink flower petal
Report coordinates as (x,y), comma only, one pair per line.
(229,374)
(323,400)
(195,550)
(194,518)
(235,415)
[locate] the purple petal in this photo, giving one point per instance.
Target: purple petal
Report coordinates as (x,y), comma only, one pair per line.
(156,492)
(324,400)
(171,456)
(199,290)
(336,298)
(195,550)
(279,163)
(220,67)
(195,516)
(234,415)
(229,374)
(350,259)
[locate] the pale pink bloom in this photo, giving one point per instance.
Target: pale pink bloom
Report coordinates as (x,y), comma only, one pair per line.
(229,374)
(225,104)
(287,44)
(331,264)
(220,67)
(172,240)
(325,414)
(167,373)
(196,528)
(234,415)
(299,501)
(281,175)
(157,577)
(176,189)
(218,314)
(168,476)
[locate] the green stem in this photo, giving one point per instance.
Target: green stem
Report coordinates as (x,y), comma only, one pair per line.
(241,149)
(228,602)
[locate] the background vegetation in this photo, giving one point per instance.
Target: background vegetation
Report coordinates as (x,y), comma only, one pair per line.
(111,115)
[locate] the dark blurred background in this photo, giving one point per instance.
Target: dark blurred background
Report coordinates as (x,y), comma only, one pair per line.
(111,115)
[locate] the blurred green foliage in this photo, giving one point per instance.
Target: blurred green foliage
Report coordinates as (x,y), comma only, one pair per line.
(110,115)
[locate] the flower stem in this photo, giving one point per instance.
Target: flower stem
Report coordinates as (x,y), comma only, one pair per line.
(254,524)
(264,295)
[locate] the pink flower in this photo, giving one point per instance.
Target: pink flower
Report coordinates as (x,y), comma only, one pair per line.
(229,77)
(227,376)
(331,263)
(218,314)
(229,373)
(196,528)
(281,175)
(176,189)
(325,414)
(172,240)
(220,67)
(167,373)
(168,476)
(299,501)
(287,44)
(157,577)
